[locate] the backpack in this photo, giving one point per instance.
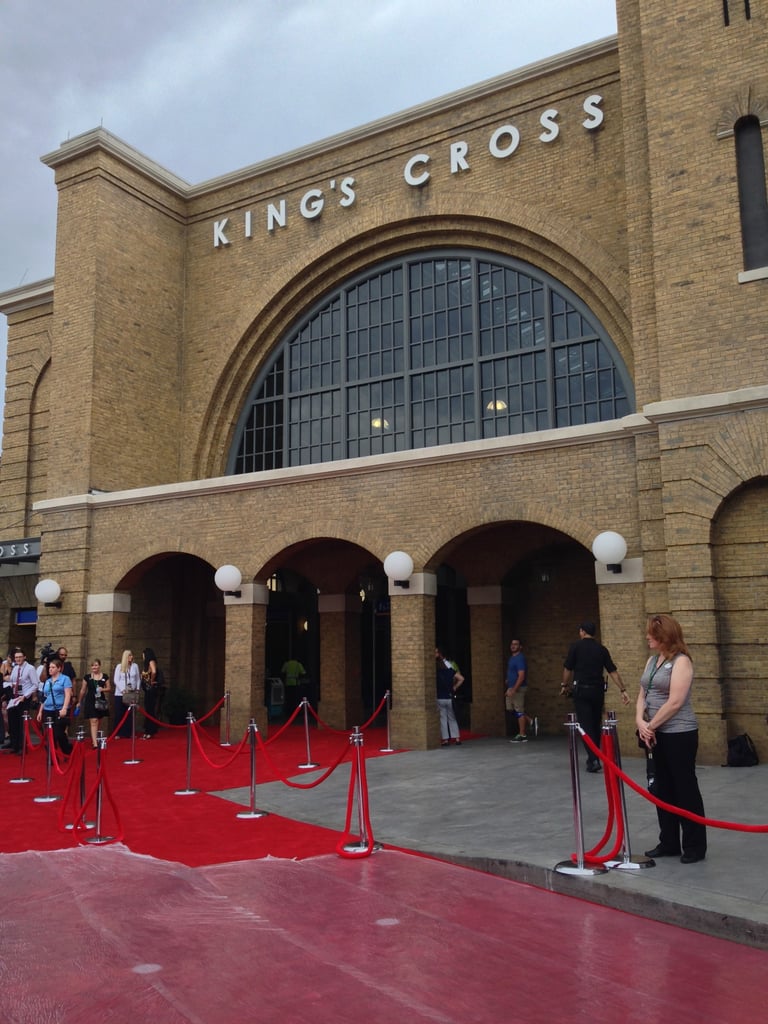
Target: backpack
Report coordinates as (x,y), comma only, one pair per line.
(741,752)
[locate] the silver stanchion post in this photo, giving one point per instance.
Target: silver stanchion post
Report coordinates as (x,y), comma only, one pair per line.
(98,837)
(79,738)
(389,749)
(309,763)
(227,722)
(24,737)
(628,862)
(188,791)
(567,867)
(133,759)
(356,739)
(47,799)
(253,812)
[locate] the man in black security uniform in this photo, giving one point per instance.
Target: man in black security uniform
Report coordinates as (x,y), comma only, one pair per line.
(584,666)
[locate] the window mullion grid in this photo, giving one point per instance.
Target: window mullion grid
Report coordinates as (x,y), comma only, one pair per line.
(549,348)
(407,366)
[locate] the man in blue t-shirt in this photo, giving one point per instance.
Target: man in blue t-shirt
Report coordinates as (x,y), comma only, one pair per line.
(514,693)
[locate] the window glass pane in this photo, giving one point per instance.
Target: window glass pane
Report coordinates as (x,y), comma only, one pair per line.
(393,359)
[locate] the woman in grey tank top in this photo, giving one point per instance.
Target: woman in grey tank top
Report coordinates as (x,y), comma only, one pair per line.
(667,725)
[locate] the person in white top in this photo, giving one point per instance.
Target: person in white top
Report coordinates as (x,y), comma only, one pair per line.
(127,680)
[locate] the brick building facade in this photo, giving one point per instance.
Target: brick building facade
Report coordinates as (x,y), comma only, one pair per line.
(584,240)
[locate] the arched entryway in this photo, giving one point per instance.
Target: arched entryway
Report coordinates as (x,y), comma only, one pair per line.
(174,607)
(740,566)
(329,609)
(517,580)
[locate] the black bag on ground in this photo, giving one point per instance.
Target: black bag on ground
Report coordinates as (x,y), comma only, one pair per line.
(741,752)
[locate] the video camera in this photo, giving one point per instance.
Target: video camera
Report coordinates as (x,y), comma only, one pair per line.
(47,651)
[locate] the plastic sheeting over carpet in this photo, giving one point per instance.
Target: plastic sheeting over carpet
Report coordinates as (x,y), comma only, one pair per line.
(100,933)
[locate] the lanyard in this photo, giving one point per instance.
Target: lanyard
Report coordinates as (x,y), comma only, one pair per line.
(654,670)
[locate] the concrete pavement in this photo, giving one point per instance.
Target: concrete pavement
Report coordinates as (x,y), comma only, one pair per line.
(508,809)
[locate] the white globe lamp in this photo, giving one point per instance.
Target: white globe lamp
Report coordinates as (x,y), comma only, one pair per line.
(48,593)
(610,548)
(399,568)
(228,579)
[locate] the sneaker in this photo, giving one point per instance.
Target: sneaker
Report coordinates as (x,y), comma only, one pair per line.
(519,739)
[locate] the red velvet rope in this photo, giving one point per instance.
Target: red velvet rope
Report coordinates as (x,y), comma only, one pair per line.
(614,768)
(342,732)
(298,785)
(238,750)
(199,721)
(367,850)
(357,776)
(79,825)
(593,856)
(284,726)
(119,725)
(77,758)
(54,756)
(324,725)
(29,747)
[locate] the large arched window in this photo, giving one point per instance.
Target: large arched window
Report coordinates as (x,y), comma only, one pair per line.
(430,350)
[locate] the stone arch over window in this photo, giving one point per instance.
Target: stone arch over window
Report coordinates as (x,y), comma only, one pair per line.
(431,349)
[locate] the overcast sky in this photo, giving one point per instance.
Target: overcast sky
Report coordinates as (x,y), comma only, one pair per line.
(205,87)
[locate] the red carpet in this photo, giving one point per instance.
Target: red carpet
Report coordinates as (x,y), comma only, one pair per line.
(196,829)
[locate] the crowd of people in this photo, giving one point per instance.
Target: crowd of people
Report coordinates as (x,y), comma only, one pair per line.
(666,724)
(52,690)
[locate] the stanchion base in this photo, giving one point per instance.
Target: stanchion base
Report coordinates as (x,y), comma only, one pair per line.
(386,750)
(252,814)
(21,780)
(567,867)
(360,847)
(45,799)
(185,792)
(227,744)
(309,764)
(98,839)
(633,864)
(134,761)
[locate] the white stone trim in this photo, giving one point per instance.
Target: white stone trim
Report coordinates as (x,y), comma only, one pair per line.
(758,274)
(117,601)
(420,583)
(250,593)
(559,437)
(706,405)
(631,572)
(27,296)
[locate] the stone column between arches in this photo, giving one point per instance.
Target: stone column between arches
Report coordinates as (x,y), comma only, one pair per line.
(106,633)
(244,674)
(342,704)
(415,722)
(488,659)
